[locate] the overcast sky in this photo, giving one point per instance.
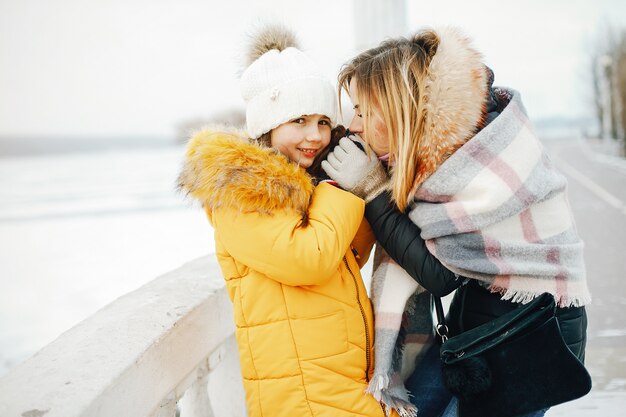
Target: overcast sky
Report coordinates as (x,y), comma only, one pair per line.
(124,68)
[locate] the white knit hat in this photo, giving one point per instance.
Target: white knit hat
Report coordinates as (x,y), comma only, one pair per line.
(282,83)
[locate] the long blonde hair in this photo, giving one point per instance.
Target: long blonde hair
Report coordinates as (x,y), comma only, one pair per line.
(391,78)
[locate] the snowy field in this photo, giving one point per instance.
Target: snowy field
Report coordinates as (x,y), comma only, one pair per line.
(79,230)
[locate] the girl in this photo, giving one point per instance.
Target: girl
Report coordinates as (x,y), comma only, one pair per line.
(290,250)
(472,199)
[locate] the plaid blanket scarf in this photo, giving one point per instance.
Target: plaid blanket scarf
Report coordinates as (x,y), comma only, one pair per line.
(497,211)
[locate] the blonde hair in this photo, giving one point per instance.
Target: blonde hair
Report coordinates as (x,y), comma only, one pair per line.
(391,79)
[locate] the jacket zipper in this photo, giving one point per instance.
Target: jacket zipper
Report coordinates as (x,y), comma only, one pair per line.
(367,333)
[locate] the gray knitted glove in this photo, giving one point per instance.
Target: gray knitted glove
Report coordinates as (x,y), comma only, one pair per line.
(354,170)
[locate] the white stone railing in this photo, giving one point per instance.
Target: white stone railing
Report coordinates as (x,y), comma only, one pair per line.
(170,344)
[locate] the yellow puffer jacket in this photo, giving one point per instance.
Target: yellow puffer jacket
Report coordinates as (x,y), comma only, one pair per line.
(304,323)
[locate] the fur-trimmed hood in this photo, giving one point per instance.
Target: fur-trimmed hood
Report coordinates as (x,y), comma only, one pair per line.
(455,97)
(225,169)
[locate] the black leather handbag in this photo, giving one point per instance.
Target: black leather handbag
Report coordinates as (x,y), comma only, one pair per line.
(512,365)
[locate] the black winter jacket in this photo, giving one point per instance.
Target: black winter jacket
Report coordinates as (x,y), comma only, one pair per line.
(400,237)
(472,304)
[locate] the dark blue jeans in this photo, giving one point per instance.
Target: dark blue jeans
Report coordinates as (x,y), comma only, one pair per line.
(429,394)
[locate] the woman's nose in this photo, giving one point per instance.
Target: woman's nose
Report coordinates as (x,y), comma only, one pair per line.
(356,125)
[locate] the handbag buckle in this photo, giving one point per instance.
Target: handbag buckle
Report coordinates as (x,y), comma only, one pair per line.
(442,331)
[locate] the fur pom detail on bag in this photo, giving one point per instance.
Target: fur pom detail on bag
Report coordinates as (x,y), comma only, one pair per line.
(269,37)
(469,377)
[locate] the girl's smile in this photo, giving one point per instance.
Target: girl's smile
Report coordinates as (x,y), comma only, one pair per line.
(310,153)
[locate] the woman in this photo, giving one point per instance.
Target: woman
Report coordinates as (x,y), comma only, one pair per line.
(290,250)
(472,198)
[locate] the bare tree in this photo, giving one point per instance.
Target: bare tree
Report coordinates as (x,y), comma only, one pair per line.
(620,81)
(611,75)
(607,84)
(596,75)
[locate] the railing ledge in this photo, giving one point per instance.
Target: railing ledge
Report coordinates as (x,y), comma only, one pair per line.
(132,354)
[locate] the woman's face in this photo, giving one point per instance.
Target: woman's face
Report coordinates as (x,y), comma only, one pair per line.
(377,139)
(302,139)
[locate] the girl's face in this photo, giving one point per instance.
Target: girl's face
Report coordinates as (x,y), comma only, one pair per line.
(302,139)
(377,139)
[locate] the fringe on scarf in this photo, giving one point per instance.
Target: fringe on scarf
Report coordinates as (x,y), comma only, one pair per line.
(398,349)
(379,389)
(524,297)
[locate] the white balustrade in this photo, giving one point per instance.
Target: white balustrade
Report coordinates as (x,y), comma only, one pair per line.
(170,340)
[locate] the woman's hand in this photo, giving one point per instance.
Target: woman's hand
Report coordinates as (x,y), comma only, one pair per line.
(355,169)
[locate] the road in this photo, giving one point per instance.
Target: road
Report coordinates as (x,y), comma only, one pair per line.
(597,194)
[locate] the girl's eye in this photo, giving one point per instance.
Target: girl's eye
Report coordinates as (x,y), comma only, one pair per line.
(299,120)
(325,122)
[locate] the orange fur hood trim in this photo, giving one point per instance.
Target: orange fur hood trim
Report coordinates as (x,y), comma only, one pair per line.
(455,97)
(225,169)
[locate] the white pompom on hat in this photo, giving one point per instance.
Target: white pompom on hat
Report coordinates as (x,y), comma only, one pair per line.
(282,83)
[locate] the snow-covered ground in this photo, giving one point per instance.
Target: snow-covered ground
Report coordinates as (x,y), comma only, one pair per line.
(79,230)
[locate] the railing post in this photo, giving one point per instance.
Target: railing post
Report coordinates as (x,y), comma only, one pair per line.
(167,408)
(196,402)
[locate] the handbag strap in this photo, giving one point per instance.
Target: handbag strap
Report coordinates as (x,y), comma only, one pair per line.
(442,328)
